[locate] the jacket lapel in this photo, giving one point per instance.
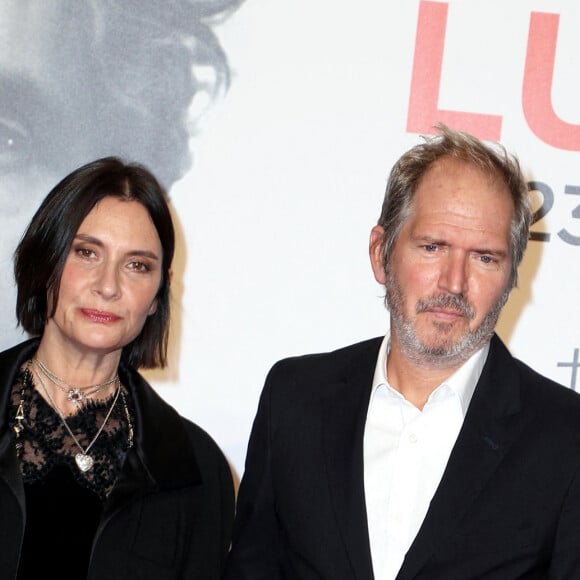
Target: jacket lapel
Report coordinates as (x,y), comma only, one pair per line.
(163,456)
(343,431)
(493,422)
(10,362)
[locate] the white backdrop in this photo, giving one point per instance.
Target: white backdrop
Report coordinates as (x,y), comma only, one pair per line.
(289,169)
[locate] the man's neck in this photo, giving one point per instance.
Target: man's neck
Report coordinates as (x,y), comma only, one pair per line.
(415,381)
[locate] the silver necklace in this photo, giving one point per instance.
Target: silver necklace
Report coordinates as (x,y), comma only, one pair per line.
(83,460)
(75,394)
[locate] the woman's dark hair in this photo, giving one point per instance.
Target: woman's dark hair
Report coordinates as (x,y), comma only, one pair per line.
(42,252)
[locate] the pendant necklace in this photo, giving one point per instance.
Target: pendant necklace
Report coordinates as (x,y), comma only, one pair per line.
(74,393)
(83,460)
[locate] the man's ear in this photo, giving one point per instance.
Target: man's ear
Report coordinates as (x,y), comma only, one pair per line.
(376,254)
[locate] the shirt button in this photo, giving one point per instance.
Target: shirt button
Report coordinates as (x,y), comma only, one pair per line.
(413,438)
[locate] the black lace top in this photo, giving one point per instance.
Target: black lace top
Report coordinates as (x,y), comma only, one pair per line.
(63,503)
(45,442)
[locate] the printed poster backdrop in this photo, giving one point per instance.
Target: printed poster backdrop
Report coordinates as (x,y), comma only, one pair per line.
(274,125)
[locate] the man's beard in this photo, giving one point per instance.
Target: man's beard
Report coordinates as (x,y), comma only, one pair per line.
(445,351)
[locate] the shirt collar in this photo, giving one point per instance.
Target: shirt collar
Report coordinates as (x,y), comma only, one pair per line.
(462,382)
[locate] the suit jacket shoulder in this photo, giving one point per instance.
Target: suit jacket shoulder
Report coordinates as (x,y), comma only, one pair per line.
(509,386)
(300,375)
(301,507)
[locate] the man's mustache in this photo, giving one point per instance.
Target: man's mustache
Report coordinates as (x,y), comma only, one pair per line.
(447,301)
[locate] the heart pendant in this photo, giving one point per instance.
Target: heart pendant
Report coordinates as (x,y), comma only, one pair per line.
(84,462)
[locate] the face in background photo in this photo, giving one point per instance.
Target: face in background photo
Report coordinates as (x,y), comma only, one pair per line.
(84,80)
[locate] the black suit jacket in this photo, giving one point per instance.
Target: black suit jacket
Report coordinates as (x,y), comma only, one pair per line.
(507,507)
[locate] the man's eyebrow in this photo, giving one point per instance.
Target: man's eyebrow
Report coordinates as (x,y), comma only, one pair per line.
(438,241)
(430,239)
(491,252)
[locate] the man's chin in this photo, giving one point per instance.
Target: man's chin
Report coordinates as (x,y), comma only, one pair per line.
(441,356)
(444,337)
(444,349)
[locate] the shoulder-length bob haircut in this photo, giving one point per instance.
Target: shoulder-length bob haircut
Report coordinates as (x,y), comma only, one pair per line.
(43,250)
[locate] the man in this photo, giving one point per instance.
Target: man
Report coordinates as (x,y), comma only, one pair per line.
(431,453)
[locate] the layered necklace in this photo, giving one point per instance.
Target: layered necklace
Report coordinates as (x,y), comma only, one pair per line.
(83,460)
(75,394)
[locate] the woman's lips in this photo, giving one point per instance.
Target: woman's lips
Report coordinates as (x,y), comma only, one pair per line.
(100,316)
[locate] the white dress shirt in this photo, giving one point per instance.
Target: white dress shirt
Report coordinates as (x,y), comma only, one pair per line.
(405,453)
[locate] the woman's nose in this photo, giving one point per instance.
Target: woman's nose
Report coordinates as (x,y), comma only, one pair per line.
(107,282)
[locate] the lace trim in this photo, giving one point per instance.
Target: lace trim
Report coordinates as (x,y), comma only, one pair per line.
(44,442)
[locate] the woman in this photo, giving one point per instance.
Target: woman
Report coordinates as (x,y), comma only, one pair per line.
(135,75)
(99,477)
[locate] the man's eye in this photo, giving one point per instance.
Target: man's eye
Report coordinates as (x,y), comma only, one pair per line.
(430,247)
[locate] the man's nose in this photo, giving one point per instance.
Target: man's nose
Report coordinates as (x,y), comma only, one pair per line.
(454,274)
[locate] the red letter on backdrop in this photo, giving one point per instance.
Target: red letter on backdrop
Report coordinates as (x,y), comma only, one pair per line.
(537,89)
(423,102)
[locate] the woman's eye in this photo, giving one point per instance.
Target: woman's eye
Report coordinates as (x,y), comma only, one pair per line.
(139,266)
(85,252)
